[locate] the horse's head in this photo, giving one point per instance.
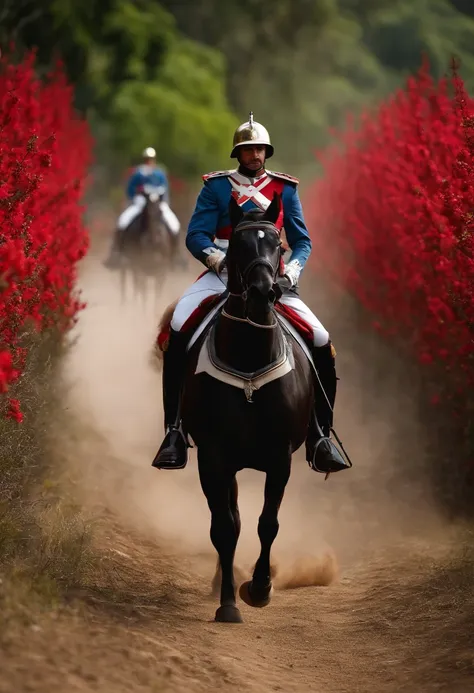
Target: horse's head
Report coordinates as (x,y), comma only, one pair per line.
(152,214)
(253,257)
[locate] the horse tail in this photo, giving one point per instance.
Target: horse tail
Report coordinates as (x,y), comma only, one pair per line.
(167,315)
(160,343)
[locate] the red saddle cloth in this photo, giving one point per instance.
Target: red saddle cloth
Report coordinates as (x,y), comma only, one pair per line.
(207,304)
(300,325)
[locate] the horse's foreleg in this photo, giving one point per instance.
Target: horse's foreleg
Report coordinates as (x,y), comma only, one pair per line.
(234,505)
(234,509)
(224,536)
(257,592)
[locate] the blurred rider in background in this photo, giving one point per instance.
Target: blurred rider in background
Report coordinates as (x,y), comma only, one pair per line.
(146,175)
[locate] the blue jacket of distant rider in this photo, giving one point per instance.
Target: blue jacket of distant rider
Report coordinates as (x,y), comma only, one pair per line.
(147,175)
(210,223)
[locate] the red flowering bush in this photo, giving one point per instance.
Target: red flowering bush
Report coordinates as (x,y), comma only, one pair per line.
(393,219)
(44,157)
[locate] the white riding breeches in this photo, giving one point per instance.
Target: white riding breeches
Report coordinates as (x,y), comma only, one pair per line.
(170,218)
(138,204)
(210,285)
(132,212)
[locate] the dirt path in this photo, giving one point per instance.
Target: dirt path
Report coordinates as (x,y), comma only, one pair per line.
(398,615)
(384,628)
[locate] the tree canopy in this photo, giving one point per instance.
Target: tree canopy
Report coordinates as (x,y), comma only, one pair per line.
(180,76)
(141,81)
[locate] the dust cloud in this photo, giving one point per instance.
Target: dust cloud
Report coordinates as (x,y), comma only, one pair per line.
(116,395)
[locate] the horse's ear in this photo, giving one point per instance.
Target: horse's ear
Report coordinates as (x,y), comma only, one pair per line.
(235,212)
(273,210)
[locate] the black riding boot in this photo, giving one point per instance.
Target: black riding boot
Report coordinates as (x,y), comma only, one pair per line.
(173,453)
(321,453)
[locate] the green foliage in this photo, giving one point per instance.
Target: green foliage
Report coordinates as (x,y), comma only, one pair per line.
(160,89)
(183,111)
(163,72)
(139,80)
(401,33)
(302,64)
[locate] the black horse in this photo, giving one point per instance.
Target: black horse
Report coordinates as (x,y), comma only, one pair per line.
(235,428)
(146,241)
(148,232)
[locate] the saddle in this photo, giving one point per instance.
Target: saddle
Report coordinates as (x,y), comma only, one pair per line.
(201,324)
(212,305)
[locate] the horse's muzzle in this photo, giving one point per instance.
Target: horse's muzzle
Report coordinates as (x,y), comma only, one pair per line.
(261,293)
(262,290)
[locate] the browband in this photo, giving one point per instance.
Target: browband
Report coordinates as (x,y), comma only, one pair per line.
(257,225)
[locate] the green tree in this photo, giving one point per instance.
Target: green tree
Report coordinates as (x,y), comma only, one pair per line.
(137,78)
(175,72)
(302,64)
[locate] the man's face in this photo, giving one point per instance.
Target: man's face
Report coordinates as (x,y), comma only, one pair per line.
(150,162)
(252,156)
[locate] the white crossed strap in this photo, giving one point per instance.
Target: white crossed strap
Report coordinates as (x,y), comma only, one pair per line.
(248,191)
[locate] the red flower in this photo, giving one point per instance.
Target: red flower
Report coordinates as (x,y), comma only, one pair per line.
(393,220)
(45,158)
(14,411)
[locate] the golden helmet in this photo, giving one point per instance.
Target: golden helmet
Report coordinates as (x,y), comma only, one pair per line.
(251,132)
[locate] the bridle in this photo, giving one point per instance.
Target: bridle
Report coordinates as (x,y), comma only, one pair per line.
(243,276)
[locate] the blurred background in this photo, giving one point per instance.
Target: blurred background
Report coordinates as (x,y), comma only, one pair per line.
(181,75)
(106,565)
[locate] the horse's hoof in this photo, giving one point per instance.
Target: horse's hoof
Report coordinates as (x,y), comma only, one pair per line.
(248,595)
(228,614)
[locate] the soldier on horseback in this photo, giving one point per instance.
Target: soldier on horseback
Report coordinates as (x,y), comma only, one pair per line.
(146,178)
(252,186)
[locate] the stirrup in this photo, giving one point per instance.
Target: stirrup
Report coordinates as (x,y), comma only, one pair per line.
(173,453)
(326,457)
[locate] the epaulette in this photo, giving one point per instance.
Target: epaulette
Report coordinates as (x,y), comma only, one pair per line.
(284,176)
(216,174)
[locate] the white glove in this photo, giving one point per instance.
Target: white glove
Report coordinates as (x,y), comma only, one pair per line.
(292,272)
(215,258)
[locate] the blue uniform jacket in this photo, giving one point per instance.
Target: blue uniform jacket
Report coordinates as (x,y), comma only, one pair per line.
(212,214)
(142,176)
